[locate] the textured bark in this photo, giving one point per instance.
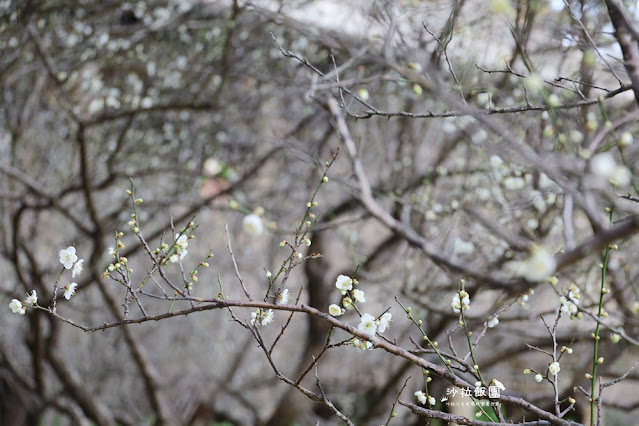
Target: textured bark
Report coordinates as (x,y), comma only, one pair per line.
(628,40)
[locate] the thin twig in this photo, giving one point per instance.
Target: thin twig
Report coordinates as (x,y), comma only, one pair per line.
(237,271)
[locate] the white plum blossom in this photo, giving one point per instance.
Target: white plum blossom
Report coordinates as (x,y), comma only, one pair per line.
(368,325)
(568,306)
(335,310)
(539,378)
(421,397)
(492,322)
(432,400)
(268,317)
(384,322)
(539,266)
(260,317)
(498,384)
(68,257)
(554,368)
(111,252)
(32,298)
(69,290)
(344,283)
(180,248)
(255,316)
(570,301)
(282,298)
(460,301)
(362,344)
(358,295)
(181,244)
(252,225)
(17,307)
(77,268)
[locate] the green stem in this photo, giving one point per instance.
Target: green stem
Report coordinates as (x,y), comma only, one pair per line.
(596,336)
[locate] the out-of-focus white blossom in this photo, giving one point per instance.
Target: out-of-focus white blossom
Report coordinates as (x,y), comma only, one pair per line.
(534,83)
(604,166)
(252,225)
(212,167)
(626,139)
(540,265)
(554,368)
(492,322)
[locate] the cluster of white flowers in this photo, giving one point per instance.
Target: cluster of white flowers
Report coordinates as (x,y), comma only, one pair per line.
(261,317)
(461,301)
(180,248)
(362,344)
(18,307)
(554,368)
(368,323)
(423,398)
(69,259)
(570,300)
